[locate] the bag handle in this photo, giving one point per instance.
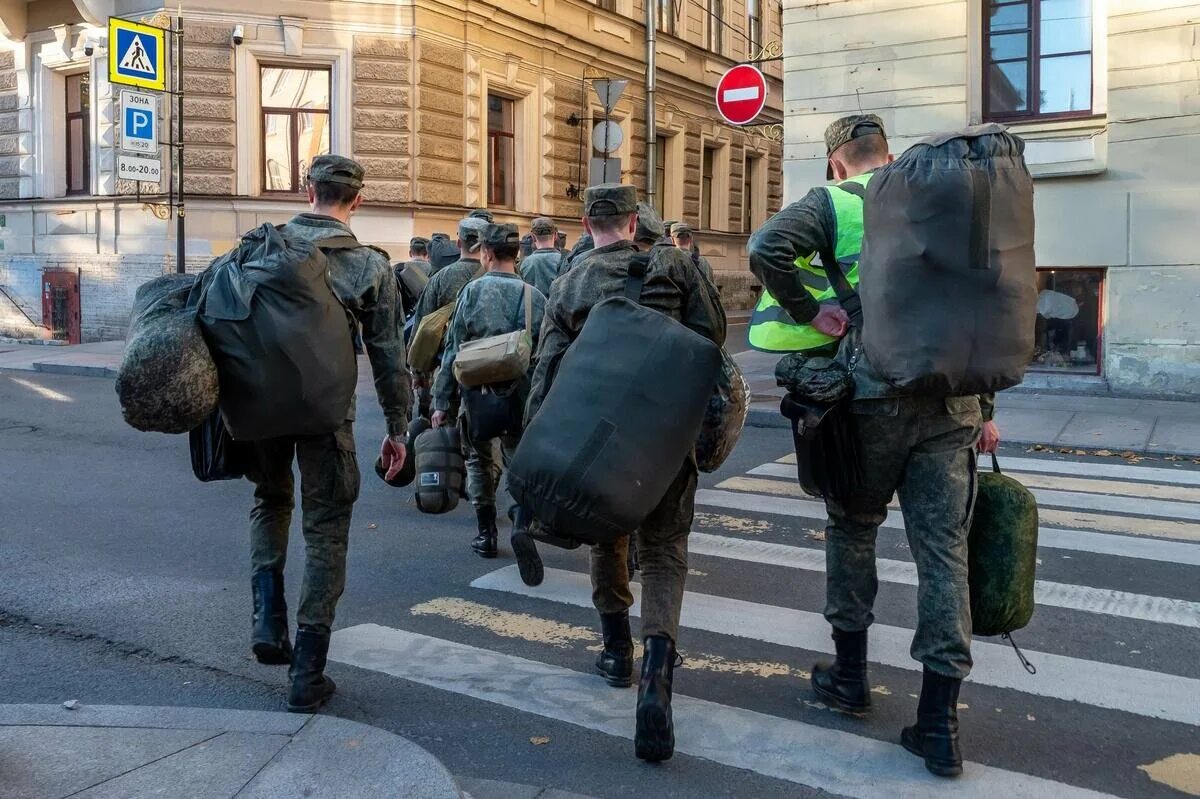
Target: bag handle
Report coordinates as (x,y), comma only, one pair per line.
(528,310)
(995,464)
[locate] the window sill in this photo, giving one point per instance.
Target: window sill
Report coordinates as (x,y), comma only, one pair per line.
(1064,147)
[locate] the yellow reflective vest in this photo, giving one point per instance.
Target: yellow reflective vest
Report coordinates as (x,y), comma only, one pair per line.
(772,329)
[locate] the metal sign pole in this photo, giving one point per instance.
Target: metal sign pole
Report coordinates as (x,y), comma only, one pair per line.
(180,241)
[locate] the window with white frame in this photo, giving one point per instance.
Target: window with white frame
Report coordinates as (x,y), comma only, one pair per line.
(78,162)
(295,123)
(716,26)
(666,16)
(754,26)
(706,188)
(502,149)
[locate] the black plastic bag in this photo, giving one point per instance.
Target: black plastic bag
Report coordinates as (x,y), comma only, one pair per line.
(215,455)
(492,413)
(828,459)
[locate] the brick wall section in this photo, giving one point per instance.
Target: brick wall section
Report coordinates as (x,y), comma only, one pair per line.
(382,122)
(9,138)
(210,116)
(439,128)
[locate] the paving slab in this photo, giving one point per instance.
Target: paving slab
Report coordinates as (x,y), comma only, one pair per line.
(121,752)
(212,769)
(1112,431)
(52,761)
(1018,425)
(1173,435)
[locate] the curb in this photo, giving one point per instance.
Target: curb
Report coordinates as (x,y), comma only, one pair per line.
(180,749)
(76,370)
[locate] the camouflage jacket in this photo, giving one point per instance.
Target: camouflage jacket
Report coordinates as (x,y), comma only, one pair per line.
(673,286)
(541,267)
(362,279)
(444,286)
(491,306)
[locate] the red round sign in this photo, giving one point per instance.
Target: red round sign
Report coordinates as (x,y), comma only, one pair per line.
(741,94)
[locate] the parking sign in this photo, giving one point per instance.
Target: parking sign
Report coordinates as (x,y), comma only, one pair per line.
(139,122)
(136,54)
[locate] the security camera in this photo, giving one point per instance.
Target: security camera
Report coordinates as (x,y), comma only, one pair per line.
(89,49)
(239,34)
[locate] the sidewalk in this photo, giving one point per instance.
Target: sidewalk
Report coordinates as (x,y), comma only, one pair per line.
(125,751)
(1144,426)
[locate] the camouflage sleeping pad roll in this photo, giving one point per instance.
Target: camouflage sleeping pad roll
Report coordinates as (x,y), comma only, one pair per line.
(167,381)
(815,378)
(1002,554)
(724,418)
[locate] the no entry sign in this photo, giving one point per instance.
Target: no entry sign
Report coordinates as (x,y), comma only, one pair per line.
(741,94)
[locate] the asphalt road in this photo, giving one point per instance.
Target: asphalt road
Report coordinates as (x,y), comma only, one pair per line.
(126,581)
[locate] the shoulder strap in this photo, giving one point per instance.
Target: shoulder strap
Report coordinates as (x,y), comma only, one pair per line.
(340,243)
(846,294)
(528,309)
(637,276)
(855,188)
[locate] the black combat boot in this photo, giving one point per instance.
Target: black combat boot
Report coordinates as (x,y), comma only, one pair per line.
(529,562)
(269,626)
(310,687)
(484,544)
(843,683)
(654,739)
(615,661)
(935,735)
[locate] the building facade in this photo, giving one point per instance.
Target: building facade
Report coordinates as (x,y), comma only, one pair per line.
(1106,95)
(450,105)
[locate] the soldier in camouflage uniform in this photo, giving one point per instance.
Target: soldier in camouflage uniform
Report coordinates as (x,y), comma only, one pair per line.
(546,262)
(685,240)
(673,287)
(442,288)
(329,479)
(413,274)
(921,447)
(491,306)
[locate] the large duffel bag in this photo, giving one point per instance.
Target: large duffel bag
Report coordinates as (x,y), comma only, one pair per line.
(279,335)
(167,380)
(1002,554)
(948,289)
(619,421)
(441,469)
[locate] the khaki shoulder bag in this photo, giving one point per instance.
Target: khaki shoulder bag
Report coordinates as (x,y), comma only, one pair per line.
(426,342)
(497,359)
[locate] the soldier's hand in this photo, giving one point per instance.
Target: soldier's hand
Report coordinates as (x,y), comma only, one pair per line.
(831,320)
(438,419)
(989,439)
(393,453)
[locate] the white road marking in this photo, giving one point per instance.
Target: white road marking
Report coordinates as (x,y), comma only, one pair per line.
(1048,537)
(1109,602)
(736,95)
(1145,693)
(805,754)
(1155,474)
(42,391)
(1066,514)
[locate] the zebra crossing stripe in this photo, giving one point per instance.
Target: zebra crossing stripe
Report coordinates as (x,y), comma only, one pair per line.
(1155,474)
(1048,537)
(1108,602)
(835,761)
(1144,693)
(1135,505)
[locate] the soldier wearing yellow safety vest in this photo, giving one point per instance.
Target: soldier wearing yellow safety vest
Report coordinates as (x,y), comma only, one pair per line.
(827,223)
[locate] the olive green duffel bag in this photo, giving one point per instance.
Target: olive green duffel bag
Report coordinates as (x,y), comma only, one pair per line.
(497,359)
(1002,554)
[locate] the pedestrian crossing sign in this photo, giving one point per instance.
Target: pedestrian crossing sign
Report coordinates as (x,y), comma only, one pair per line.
(136,54)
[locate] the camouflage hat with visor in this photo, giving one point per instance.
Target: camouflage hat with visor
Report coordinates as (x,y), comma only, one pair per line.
(336,169)
(610,199)
(846,129)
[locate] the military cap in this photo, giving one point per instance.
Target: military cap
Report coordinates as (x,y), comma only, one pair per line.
(649,226)
(542,226)
(681,229)
(336,169)
(499,235)
(843,130)
(418,241)
(469,230)
(610,199)
(482,213)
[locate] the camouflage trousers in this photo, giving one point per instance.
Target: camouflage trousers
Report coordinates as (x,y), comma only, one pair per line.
(486,461)
(329,482)
(662,557)
(923,449)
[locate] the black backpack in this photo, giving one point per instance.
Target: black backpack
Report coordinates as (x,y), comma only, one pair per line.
(279,336)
